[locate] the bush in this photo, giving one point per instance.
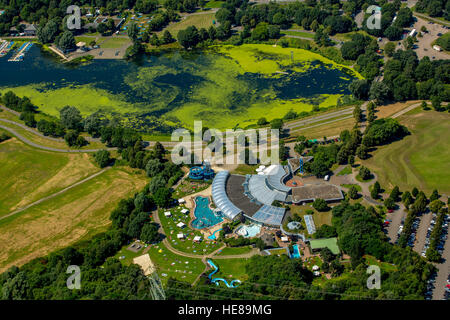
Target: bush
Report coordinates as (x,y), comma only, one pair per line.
(102,157)
(320,205)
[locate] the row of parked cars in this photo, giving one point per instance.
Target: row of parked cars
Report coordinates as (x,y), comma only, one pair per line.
(444,235)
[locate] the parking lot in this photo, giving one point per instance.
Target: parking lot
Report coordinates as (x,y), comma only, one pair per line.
(425,44)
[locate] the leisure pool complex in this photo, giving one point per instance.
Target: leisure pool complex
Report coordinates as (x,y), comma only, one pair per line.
(205,217)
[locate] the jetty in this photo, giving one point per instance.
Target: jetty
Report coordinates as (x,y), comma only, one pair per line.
(20,54)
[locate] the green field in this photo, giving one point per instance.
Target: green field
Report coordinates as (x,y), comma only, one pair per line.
(418,160)
(234,250)
(204,20)
(298,34)
(74,215)
(29,174)
(171,229)
(230,269)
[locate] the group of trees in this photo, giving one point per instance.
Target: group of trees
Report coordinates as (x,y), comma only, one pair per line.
(434,8)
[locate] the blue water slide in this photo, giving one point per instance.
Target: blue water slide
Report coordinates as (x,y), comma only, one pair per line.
(216,281)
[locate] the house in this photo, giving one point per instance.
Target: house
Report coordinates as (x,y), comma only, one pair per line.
(184,211)
(30,30)
(197,239)
(168,214)
(13,31)
(285,239)
(180,236)
(437,48)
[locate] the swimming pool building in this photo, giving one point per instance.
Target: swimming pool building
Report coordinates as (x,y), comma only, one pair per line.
(255,195)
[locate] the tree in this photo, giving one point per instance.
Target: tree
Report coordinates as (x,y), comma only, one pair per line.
(142,202)
(133,31)
(379,92)
(357,113)
(414,192)
(393,33)
(395,193)
(351,160)
(362,152)
(407,198)
(156,183)
(359,89)
(262,121)
(149,233)
(389,203)
(261,32)
(276,124)
(167,37)
(188,37)
(67,41)
(71,138)
(364,173)
(153,167)
(48,33)
(389,48)
(436,206)
(102,157)
(376,189)
(353,193)
(28,118)
(320,205)
(146,6)
(162,197)
(434,195)
(70,118)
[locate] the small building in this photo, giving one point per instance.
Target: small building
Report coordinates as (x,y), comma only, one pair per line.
(412,33)
(13,31)
(197,239)
(181,225)
(30,30)
(184,211)
(181,201)
(168,214)
(284,239)
(180,236)
(437,48)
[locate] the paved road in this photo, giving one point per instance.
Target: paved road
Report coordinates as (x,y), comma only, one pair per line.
(25,140)
(54,194)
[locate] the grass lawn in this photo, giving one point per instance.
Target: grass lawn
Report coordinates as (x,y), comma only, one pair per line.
(345,171)
(187,245)
(230,269)
(245,169)
(114,43)
(228,251)
(298,33)
(420,159)
(29,174)
(370,260)
(74,215)
(198,20)
(348,186)
(319,218)
(214,4)
(172,265)
(328,129)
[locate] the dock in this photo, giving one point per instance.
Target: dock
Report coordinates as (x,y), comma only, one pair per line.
(20,54)
(5,46)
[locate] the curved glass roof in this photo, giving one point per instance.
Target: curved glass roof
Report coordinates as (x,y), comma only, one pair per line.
(220,197)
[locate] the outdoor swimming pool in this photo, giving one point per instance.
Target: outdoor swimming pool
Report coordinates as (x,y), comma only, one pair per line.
(205,217)
(296,253)
(249,231)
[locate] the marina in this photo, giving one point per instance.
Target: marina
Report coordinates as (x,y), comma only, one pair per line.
(20,53)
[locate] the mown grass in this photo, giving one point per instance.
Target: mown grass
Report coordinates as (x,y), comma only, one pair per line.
(29,174)
(418,160)
(198,20)
(77,214)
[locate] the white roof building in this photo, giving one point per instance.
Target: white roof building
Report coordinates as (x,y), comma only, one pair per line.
(184,211)
(181,225)
(284,239)
(167,214)
(181,201)
(180,236)
(197,239)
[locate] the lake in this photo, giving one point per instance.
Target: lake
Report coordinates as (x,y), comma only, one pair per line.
(224,86)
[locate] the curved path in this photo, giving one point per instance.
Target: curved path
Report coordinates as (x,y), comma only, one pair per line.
(55,194)
(31,143)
